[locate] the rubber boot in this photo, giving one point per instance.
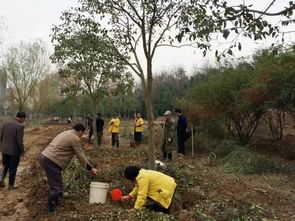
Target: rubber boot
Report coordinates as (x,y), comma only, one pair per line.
(169,156)
(53,202)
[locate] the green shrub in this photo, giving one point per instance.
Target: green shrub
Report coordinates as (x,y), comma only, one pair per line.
(230,210)
(214,128)
(246,162)
(236,158)
(222,149)
(182,173)
(76,178)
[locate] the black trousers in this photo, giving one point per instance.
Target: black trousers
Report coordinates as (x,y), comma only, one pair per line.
(181,143)
(53,174)
(115,139)
(99,137)
(156,207)
(137,138)
(10,164)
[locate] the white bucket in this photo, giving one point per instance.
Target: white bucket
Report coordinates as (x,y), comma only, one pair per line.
(98,192)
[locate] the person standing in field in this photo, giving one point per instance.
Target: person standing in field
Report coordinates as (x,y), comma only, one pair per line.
(114,129)
(12,148)
(57,156)
(182,131)
(167,143)
(89,126)
(99,128)
(138,129)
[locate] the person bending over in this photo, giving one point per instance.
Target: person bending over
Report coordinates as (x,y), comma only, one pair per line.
(57,156)
(150,184)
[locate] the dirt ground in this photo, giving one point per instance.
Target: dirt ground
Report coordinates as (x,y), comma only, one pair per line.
(206,191)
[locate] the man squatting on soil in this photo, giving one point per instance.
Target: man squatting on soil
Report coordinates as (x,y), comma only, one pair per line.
(153,185)
(57,156)
(12,147)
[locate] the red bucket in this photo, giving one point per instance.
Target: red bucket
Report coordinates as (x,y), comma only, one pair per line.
(116,194)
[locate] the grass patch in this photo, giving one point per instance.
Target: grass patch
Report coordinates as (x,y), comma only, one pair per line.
(140,215)
(230,210)
(246,162)
(240,159)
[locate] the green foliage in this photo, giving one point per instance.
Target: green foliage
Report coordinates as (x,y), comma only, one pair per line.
(214,128)
(90,62)
(200,19)
(236,158)
(165,90)
(124,104)
(221,149)
(229,96)
(277,77)
(140,215)
(76,178)
(246,162)
(231,210)
(182,173)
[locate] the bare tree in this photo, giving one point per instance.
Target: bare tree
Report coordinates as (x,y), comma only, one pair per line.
(44,95)
(25,65)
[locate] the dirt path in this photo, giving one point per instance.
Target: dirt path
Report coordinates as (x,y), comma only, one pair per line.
(13,202)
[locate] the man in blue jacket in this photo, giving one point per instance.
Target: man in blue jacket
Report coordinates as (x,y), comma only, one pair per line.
(181,131)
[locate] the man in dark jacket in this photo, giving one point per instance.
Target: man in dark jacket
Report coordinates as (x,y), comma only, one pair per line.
(181,131)
(12,147)
(99,128)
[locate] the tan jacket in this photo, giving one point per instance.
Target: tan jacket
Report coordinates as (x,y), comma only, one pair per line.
(63,147)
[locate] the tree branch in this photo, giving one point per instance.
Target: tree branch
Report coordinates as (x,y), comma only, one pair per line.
(291,8)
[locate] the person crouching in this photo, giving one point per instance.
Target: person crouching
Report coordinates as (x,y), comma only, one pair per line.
(150,184)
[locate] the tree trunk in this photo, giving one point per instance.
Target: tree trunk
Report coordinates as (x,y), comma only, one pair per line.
(150,116)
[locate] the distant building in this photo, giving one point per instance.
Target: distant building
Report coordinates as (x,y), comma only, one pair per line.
(3,84)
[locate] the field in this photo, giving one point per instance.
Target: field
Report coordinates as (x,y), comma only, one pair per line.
(206,190)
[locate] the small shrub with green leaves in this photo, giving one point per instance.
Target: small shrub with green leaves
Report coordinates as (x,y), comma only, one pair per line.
(246,162)
(76,178)
(237,158)
(222,149)
(183,174)
(231,210)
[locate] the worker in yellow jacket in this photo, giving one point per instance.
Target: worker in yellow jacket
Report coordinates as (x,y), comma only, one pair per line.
(152,184)
(114,129)
(138,128)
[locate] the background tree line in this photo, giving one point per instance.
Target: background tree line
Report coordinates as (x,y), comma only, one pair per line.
(233,98)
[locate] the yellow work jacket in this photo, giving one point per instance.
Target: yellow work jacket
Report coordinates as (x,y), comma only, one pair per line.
(138,124)
(114,125)
(156,185)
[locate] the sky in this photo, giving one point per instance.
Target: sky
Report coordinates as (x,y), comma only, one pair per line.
(26,20)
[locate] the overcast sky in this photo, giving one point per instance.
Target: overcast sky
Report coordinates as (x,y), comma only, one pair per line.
(27,20)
